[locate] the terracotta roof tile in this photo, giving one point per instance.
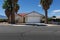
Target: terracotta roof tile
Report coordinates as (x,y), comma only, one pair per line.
(22,14)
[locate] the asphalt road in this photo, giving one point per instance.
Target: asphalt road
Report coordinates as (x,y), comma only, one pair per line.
(29,32)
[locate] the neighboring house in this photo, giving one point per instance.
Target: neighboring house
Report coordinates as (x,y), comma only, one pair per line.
(32,17)
(20,17)
(56,20)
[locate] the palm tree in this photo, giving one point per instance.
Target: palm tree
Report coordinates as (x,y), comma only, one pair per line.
(46,5)
(16,8)
(7,9)
(7,12)
(10,8)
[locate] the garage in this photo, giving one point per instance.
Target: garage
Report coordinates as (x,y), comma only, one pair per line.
(33,19)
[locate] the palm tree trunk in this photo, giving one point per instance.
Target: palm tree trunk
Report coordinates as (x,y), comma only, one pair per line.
(8,20)
(12,14)
(46,17)
(12,18)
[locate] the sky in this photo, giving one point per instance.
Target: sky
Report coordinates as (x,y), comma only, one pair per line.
(27,6)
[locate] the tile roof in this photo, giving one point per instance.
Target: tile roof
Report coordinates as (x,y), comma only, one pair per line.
(22,14)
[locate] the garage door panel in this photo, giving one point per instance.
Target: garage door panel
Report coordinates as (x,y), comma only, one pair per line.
(33,19)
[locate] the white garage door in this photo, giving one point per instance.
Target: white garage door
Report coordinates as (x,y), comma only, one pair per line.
(33,20)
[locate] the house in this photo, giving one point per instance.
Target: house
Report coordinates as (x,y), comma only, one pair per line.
(20,17)
(56,20)
(32,17)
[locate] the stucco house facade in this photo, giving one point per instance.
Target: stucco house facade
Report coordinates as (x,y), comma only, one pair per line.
(55,20)
(20,18)
(32,17)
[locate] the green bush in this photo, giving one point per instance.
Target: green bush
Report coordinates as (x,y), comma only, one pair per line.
(49,19)
(3,20)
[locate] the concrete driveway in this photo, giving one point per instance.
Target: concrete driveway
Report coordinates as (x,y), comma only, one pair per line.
(29,32)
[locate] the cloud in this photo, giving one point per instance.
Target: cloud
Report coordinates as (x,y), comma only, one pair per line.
(39,5)
(56,11)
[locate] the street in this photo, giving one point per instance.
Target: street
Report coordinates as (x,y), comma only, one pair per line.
(29,32)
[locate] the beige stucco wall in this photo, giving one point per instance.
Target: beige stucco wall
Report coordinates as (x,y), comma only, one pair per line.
(19,19)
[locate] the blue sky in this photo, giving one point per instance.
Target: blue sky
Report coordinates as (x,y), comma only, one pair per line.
(27,6)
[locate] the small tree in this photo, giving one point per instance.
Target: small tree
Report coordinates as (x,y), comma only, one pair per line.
(53,16)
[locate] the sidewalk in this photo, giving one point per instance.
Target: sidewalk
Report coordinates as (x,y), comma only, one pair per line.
(4,23)
(52,25)
(23,24)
